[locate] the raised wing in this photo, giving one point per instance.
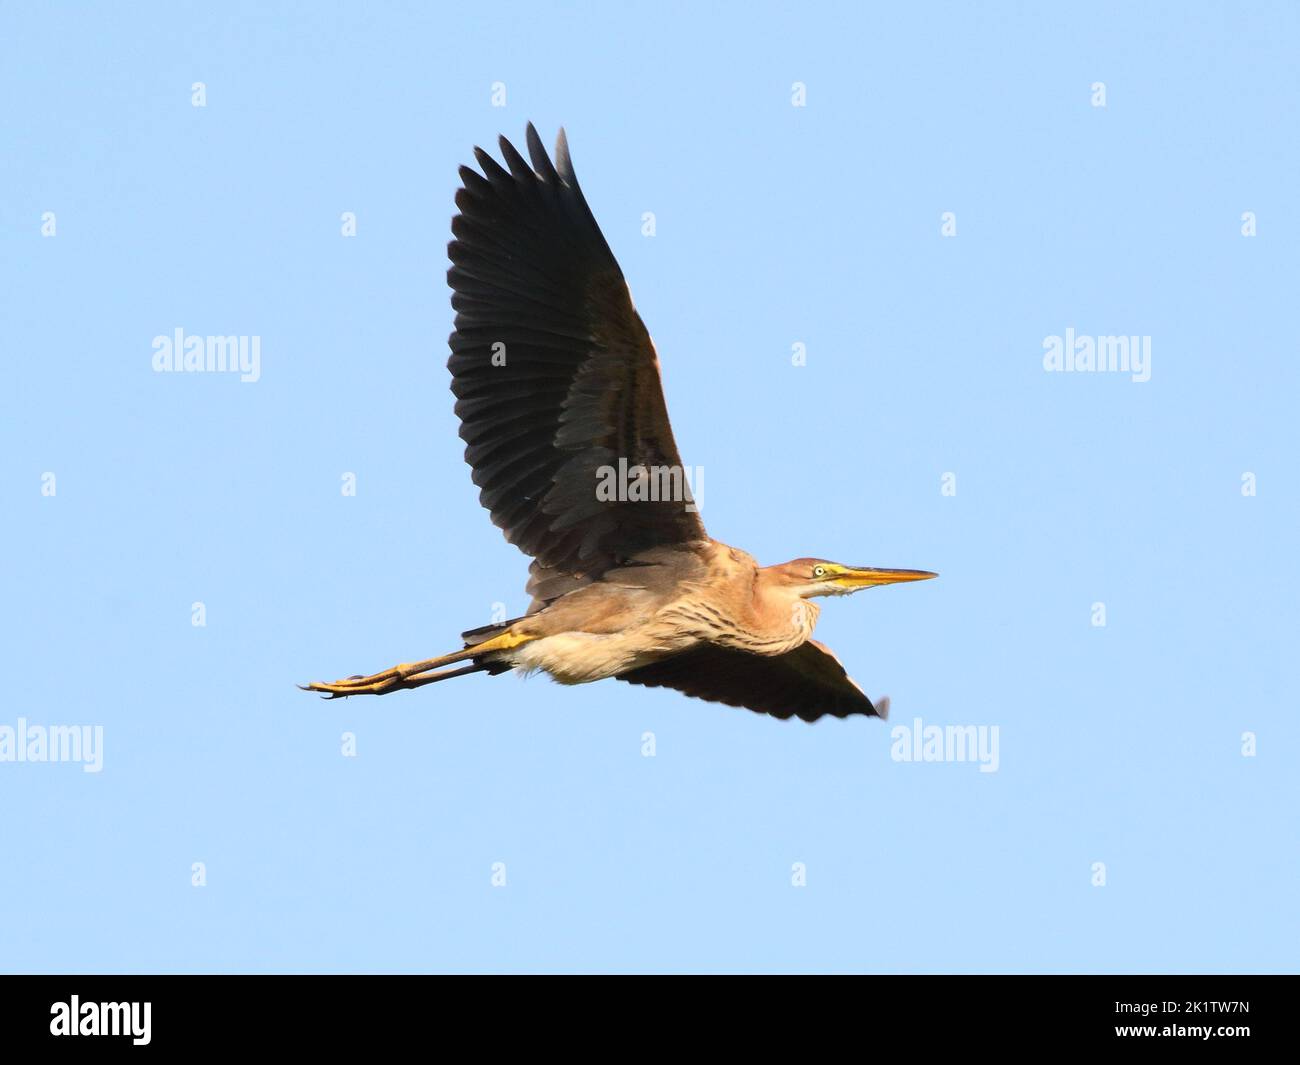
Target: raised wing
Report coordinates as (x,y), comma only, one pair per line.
(808,682)
(555,377)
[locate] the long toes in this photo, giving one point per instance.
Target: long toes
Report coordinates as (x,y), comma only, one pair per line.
(340,689)
(319,686)
(357,680)
(349,682)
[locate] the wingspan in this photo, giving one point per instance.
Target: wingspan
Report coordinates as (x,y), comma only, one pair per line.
(574,386)
(808,682)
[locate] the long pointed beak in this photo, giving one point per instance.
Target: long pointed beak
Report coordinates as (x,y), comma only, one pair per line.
(870,578)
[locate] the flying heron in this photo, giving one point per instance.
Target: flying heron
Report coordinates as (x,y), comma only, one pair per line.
(557,384)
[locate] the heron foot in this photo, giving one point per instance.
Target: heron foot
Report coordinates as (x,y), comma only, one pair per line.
(415,674)
(390,681)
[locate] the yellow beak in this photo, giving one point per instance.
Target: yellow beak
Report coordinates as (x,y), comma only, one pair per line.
(869,578)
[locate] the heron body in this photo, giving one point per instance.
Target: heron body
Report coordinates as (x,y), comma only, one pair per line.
(660,606)
(557,384)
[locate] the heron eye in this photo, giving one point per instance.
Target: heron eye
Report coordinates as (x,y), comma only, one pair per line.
(819,571)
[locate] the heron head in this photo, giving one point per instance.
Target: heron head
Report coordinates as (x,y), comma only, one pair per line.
(816,576)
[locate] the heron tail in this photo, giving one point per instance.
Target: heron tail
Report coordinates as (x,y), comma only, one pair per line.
(483,634)
(487,632)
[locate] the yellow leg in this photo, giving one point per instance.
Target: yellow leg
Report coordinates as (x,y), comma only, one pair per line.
(410,674)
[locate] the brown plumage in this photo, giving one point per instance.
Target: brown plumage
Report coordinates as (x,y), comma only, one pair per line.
(557,386)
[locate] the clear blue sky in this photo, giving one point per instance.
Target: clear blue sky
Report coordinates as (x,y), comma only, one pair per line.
(776,225)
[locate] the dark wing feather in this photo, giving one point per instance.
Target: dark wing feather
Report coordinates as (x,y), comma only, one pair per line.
(807,682)
(580,387)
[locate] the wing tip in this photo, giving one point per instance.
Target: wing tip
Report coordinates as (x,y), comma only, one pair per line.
(537,153)
(542,168)
(563,161)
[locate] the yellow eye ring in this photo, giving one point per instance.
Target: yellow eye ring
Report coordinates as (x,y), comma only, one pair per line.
(819,571)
